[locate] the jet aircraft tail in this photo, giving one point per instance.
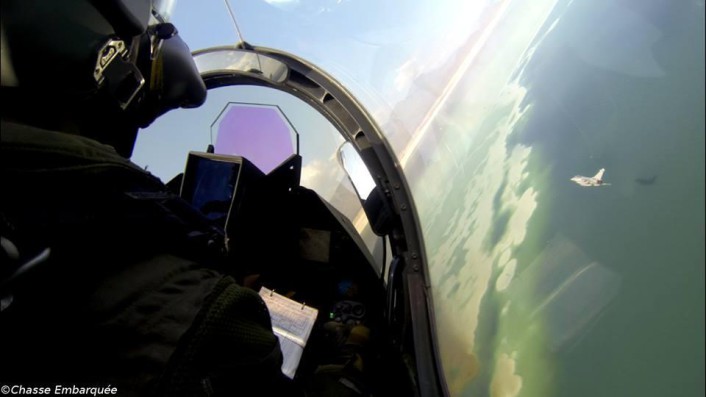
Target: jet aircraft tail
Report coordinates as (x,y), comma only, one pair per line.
(599,175)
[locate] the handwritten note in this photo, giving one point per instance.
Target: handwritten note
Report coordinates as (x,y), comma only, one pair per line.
(292,322)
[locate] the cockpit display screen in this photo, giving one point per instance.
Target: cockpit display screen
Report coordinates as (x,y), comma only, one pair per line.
(210,182)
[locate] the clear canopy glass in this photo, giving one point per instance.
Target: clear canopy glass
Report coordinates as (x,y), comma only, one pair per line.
(542,286)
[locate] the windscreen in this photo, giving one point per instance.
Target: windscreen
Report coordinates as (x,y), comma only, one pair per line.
(263,126)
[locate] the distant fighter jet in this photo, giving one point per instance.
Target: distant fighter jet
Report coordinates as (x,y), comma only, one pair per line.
(596,180)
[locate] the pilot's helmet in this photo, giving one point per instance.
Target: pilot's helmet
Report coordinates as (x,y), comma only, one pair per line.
(94,60)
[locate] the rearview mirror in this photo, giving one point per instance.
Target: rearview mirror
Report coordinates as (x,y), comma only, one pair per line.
(358,174)
(371,196)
